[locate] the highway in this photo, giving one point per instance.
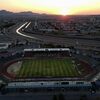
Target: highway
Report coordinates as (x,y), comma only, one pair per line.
(27,36)
(16,32)
(13,33)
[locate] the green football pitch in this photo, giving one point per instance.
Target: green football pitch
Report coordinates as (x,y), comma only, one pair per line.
(47,68)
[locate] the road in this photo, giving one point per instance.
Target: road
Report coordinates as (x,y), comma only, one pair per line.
(16,33)
(27,36)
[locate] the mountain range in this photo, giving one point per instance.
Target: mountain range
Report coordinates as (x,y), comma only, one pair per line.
(4,14)
(27,13)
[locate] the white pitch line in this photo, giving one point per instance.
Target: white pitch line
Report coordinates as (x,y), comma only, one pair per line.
(17,31)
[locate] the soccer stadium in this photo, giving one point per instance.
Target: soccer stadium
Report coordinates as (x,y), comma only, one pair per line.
(47,64)
(48,68)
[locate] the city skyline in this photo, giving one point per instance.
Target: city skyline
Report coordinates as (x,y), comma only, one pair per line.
(58,7)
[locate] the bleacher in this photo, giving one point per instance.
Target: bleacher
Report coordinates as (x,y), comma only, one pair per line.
(57,52)
(46,54)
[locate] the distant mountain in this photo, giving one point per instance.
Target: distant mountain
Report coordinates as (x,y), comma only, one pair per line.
(4,12)
(27,14)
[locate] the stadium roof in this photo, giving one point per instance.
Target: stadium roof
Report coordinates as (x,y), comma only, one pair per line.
(48,49)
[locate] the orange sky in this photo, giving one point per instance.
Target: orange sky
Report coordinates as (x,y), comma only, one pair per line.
(63,7)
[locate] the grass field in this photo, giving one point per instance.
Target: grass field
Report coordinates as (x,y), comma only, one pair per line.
(48,68)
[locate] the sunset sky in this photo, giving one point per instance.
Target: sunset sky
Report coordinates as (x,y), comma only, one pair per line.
(63,7)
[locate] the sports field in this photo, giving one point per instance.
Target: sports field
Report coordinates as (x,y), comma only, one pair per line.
(48,68)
